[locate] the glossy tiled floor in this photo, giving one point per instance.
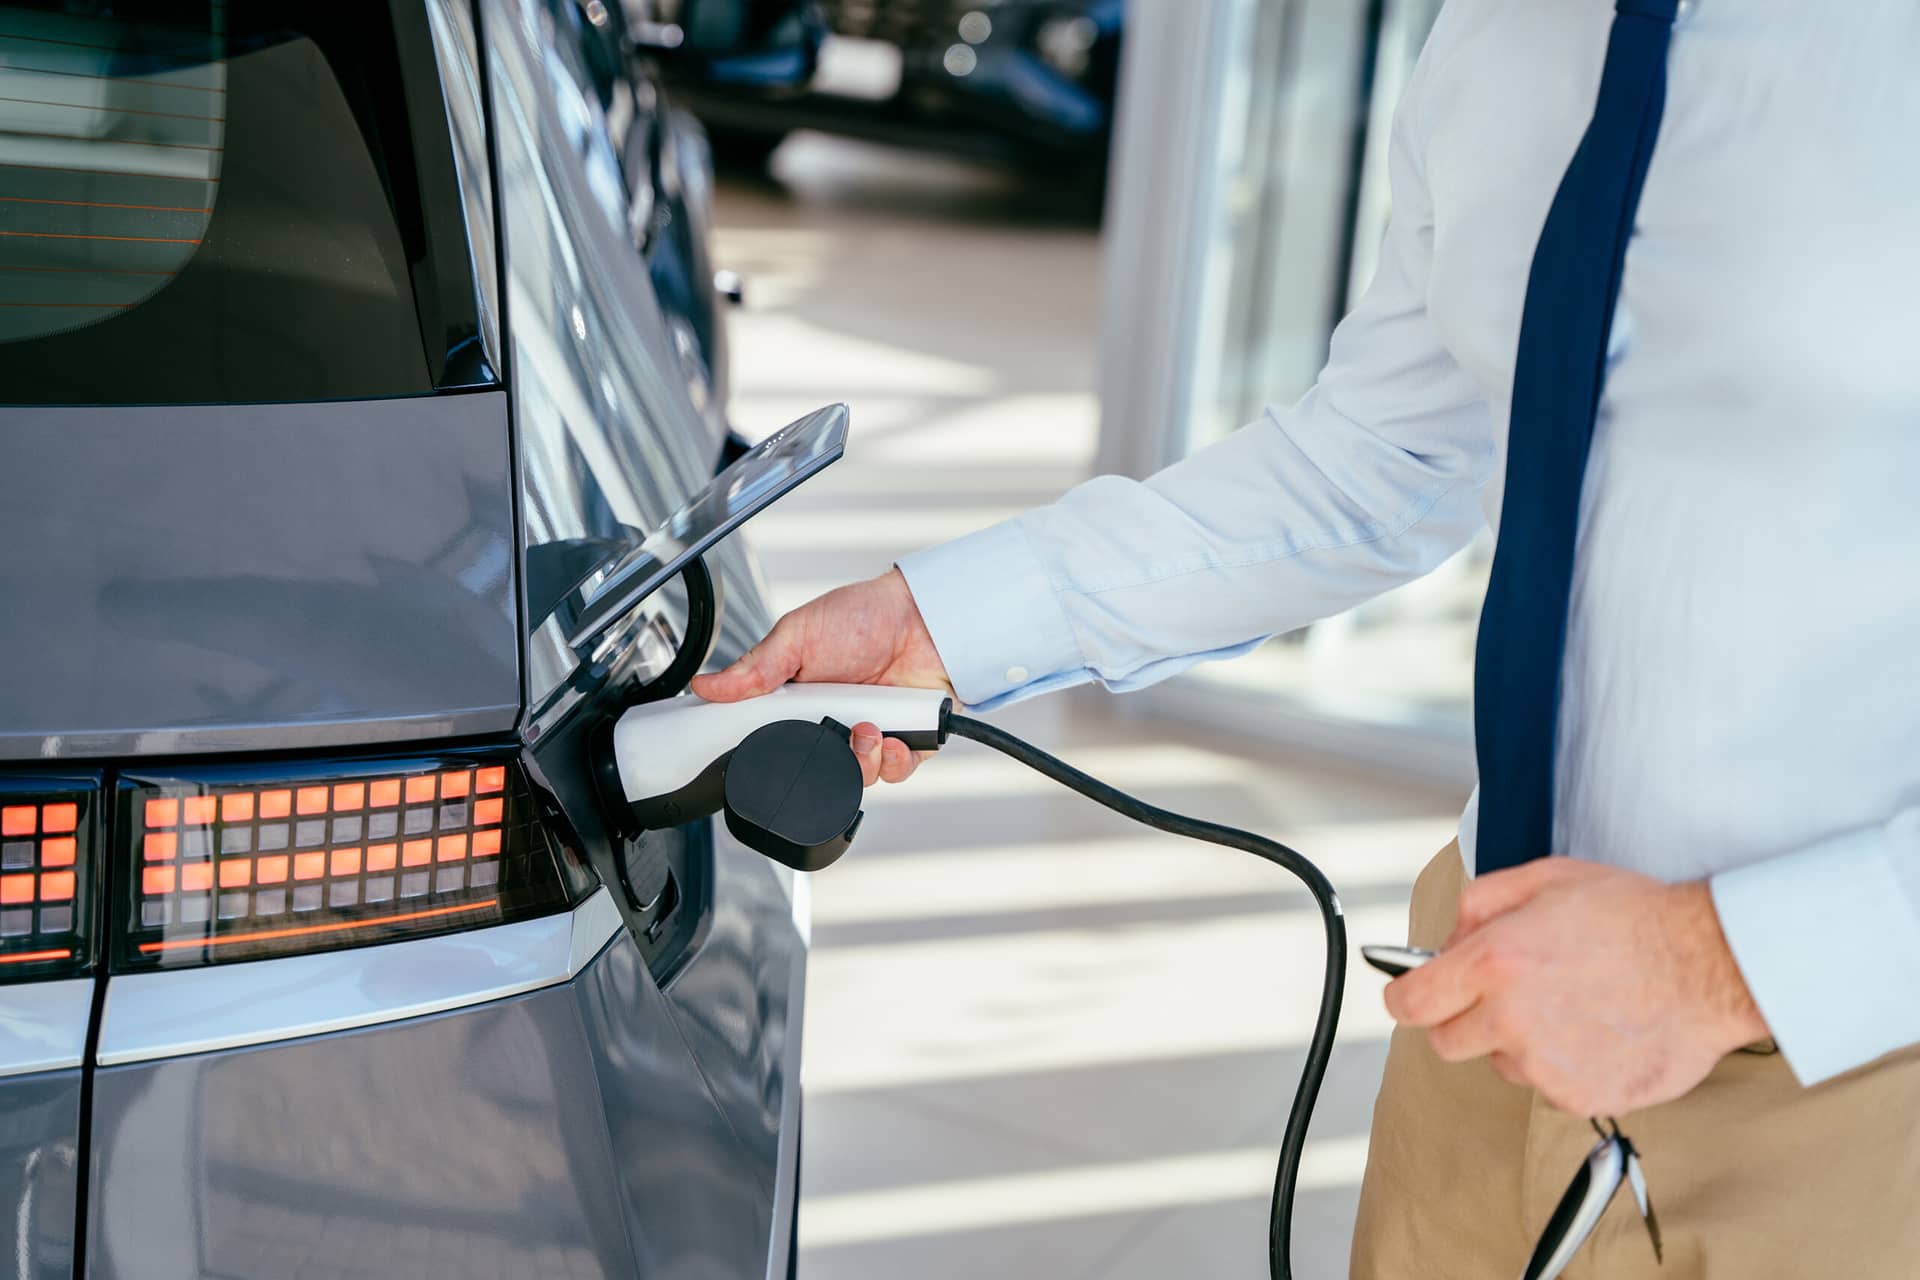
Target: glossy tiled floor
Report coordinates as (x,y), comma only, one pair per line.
(1040,1042)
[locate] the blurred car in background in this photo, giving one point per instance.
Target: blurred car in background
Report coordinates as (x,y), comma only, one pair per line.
(340,345)
(1025,82)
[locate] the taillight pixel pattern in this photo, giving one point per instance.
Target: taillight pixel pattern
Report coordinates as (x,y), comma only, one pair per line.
(246,864)
(42,857)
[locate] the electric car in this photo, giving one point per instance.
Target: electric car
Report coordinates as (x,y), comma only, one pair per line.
(344,347)
(1026,82)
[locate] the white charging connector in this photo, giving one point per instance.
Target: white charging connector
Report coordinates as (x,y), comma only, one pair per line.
(780,767)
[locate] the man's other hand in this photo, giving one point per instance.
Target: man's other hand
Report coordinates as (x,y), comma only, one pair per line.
(1604,989)
(864,633)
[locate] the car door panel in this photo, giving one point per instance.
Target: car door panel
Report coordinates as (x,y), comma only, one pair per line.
(739,999)
(39,1156)
(698,1207)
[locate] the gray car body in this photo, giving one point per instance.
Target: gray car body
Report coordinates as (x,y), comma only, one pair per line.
(354,577)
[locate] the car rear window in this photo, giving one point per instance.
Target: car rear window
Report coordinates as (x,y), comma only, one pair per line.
(218,203)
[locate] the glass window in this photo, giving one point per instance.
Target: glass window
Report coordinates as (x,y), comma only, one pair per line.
(1299,207)
(221,202)
(108,164)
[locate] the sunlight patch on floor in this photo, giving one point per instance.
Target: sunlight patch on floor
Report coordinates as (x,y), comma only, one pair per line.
(1135,1186)
(1062,998)
(1062,874)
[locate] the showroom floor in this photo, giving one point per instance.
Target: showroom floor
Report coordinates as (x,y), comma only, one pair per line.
(1040,1041)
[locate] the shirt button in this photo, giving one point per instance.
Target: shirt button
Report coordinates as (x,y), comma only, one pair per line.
(1016,675)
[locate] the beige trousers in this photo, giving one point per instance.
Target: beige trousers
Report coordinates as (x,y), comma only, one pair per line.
(1751,1175)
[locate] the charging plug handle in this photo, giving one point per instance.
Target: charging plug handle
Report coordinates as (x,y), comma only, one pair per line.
(791,790)
(663,763)
(780,767)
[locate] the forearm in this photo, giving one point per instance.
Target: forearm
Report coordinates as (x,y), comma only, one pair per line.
(1126,581)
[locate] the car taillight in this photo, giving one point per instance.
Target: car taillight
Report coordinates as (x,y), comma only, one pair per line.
(217,867)
(46,876)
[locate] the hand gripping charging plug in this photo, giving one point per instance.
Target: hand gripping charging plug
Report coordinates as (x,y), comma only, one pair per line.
(780,767)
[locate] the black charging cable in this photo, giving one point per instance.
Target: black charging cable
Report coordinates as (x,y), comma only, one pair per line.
(1320,1049)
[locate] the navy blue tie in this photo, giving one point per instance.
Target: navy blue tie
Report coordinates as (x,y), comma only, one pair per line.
(1558,372)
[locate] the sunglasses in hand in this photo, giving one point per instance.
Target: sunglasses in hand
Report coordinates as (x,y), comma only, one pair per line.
(1610,1163)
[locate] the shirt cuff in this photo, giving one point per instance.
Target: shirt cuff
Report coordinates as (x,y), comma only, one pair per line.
(993,616)
(1827,940)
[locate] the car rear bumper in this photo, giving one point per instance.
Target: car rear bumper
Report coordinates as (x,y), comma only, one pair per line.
(521,1100)
(510,1137)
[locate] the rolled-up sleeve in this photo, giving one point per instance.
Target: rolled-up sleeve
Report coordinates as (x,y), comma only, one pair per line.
(1371,480)
(1822,936)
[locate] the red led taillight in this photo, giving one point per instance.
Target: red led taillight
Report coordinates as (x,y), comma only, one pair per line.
(239,867)
(46,876)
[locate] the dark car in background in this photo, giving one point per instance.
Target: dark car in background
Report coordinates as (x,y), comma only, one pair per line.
(1025,82)
(339,345)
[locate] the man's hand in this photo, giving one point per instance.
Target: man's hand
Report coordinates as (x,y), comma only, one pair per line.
(865,633)
(1604,989)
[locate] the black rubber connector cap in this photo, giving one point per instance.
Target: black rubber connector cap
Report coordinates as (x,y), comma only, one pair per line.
(793,792)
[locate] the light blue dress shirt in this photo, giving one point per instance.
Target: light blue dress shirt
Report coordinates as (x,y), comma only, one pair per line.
(1741,689)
